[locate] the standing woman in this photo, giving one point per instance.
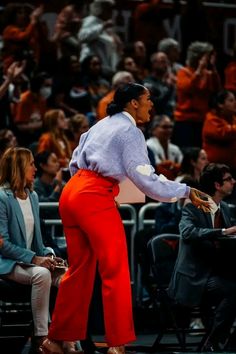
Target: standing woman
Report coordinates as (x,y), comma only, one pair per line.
(23,256)
(111,150)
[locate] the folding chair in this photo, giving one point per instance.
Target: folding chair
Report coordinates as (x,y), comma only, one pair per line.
(163,251)
(15,316)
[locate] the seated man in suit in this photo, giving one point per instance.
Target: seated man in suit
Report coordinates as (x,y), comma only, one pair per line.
(203,272)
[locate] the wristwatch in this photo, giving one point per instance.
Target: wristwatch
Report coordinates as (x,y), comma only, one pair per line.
(223,232)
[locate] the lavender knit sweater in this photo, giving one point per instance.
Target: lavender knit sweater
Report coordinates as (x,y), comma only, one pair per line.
(115,147)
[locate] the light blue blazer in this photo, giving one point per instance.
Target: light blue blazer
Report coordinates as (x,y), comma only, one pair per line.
(12,229)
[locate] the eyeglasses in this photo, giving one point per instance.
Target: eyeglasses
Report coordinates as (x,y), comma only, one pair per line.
(228,179)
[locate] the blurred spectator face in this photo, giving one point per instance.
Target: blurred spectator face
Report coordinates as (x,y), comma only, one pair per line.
(160,63)
(52,166)
(95,65)
(62,121)
(74,64)
(201,161)
(12,141)
(228,108)
(84,126)
(228,184)
(7,140)
(140,49)
(130,65)
(164,130)
(46,88)
(173,54)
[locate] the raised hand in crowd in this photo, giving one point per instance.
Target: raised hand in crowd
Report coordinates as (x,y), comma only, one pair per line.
(36,13)
(14,71)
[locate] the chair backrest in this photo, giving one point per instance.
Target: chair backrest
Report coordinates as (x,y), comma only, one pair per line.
(163,251)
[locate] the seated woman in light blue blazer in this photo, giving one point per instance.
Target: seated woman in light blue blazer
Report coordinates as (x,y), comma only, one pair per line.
(23,257)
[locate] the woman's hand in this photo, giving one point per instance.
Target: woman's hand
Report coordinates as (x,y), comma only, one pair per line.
(200,199)
(46,262)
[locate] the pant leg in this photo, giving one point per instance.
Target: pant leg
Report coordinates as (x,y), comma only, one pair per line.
(221,293)
(40,279)
(70,315)
(106,235)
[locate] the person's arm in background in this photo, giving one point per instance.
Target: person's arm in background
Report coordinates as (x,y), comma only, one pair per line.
(14,70)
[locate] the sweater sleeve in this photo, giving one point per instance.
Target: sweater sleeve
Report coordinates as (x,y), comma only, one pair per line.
(141,173)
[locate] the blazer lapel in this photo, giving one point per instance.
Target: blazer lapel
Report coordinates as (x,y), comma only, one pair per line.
(208,219)
(225,216)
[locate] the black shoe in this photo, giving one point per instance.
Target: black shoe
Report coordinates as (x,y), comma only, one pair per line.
(89,347)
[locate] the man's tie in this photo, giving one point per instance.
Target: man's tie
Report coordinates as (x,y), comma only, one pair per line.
(218,222)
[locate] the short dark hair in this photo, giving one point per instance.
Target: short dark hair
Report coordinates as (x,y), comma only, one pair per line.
(219,98)
(123,95)
(213,172)
(41,158)
(190,154)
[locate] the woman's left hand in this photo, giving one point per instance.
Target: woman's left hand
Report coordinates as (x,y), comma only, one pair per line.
(200,199)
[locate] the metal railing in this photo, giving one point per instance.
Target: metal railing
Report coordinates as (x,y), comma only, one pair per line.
(142,222)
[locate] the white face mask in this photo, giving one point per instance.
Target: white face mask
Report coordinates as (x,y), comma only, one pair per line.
(46,91)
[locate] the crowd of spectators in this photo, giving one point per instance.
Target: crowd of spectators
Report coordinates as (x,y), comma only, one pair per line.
(74,70)
(55,85)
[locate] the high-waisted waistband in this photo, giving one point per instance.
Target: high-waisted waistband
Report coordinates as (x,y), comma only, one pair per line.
(83,172)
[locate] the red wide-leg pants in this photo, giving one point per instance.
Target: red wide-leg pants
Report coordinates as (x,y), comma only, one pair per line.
(94,233)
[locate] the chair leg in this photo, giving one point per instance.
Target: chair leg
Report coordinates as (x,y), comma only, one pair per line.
(179,332)
(157,340)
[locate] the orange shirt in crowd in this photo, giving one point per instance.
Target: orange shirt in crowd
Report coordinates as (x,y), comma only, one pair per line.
(102,105)
(230,76)
(193,92)
(61,147)
(30,107)
(219,139)
(16,38)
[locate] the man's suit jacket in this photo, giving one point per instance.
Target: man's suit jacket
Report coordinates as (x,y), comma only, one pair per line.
(198,250)
(12,229)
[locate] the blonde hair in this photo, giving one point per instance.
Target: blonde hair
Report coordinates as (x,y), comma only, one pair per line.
(76,121)
(13,166)
(50,122)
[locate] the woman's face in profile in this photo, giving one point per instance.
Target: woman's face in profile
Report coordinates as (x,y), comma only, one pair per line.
(229,105)
(52,166)
(30,171)
(201,161)
(144,108)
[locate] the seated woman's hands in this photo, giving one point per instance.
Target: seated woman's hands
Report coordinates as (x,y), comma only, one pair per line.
(48,262)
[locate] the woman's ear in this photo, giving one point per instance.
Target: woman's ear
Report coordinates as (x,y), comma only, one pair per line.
(134,103)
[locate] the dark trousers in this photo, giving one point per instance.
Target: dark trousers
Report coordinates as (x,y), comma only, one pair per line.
(221,293)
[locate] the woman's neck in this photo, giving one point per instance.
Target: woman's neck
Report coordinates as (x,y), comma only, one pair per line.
(21,194)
